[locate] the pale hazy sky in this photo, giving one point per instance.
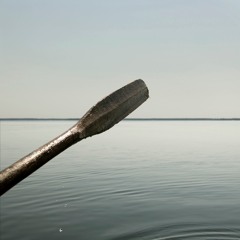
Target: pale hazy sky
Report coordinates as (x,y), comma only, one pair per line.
(59,57)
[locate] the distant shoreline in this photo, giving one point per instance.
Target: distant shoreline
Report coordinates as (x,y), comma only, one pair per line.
(126,119)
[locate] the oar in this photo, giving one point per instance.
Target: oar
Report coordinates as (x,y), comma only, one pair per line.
(98,119)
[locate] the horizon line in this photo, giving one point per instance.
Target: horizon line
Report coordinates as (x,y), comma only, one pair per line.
(131,119)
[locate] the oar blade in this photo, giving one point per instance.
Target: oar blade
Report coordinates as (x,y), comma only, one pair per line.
(113,108)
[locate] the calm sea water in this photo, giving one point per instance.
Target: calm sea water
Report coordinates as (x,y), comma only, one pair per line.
(139,180)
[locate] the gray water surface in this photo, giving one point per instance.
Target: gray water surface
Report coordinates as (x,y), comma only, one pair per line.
(139,180)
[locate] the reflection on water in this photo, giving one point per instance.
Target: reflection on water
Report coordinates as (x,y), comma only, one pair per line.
(140,180)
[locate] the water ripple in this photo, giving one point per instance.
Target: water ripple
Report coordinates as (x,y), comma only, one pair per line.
(183,231)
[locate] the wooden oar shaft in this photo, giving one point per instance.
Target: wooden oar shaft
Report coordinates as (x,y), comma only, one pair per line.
(21,169)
